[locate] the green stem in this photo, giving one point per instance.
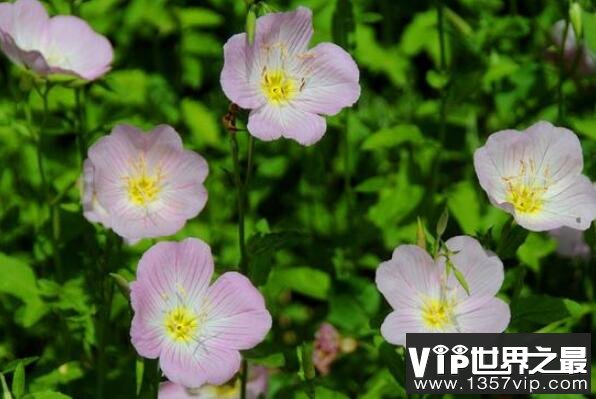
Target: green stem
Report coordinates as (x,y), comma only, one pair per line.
(106,292)
(150,384)
(347,168)
(560,96)
(443,96)
(241,193)
(80,123)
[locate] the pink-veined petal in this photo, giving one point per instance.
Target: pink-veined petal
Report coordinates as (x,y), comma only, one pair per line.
(480,315)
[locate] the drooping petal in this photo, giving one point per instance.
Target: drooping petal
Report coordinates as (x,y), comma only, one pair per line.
(194,365)
(400,322)
(409,272)
(76,48)
(482,316)
(483,272)
(237,317)
(330,80)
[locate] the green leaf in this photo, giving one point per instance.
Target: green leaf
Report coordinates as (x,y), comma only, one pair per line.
(464,205)
(19,281)
(532,312)
(437,79)
(61,375)
(251,23)
(139,369)
(394,362)
(12,365)
(420,234)
(46,395)
(198,17)
(122,284)
(343,24)
(393,137)
(575,16)
(201,121)
(536,247)
(511,238)
(442,223)
(304,280)
(461,279)
(5,391)
(18,381)
(261,250)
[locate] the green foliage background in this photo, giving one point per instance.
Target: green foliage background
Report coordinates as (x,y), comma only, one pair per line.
(321,218)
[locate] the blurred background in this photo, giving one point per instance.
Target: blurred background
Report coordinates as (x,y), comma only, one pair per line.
(321,218)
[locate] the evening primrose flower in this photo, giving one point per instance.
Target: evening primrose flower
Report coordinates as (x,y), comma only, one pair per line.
(575,54)
(326,347)
(536,177)
(143,185)
(62,44)
(194,328)
(426,298)
(570,243)
(286,85)
(255,387)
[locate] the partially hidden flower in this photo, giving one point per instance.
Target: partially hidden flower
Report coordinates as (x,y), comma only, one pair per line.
(326,347)
(425,298)
(143,185)
(286,85)
(62,44)
(570,243)
(194,328)
(575,54)
(256,387)
(536,176)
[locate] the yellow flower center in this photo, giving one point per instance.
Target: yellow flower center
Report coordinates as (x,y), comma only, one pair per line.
(278,87)
(181,324)
(143,188)
(437,314)
(526,199)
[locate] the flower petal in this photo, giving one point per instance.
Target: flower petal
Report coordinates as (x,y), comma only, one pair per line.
(76,48)
(292,30)
(237,317)
(482,316)
(239,76)
(483,271)
(409,272)
(400,322)
(271,122)
(331,80)
(195,364)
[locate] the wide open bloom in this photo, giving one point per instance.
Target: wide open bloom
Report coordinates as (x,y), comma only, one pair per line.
(62,44)
(195,329)
(255,387)
(426,299)
(286,86)
(536,177)
(143,185)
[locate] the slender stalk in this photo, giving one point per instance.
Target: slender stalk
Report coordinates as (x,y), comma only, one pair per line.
(106,292)
(80,123)
(347,168)
(241,202)
(443,94)
(560,95)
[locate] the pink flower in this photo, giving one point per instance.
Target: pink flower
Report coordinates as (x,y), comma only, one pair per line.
(536,177)
(425,299)
(59,45)
(143,184)
(256,386)
(286,86)
(196,330)
(571,243)
(327,347)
